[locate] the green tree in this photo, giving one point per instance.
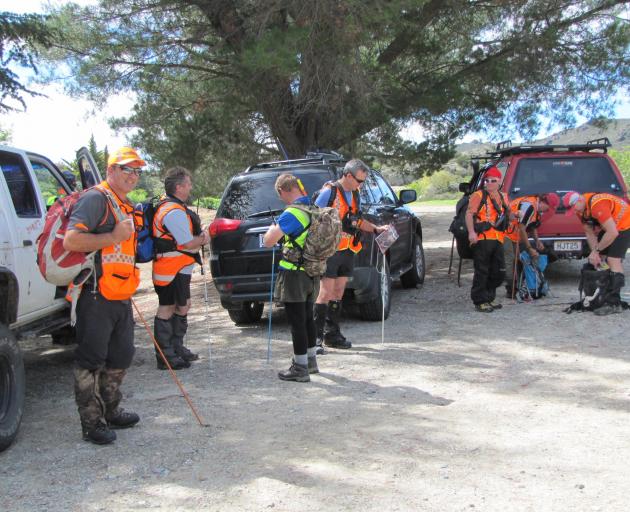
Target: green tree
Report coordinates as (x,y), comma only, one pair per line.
(20,36)
(221,80)
(5,135)
(100,155)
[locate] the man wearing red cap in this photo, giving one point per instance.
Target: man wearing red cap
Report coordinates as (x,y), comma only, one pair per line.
(103,221)
(606,222)
(487,218)
(528,213)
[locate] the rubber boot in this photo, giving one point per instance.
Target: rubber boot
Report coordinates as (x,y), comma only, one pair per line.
(319,315)
(91,407)
(163,331)
(180,327)
(110,382)
(332,332)
(613,295)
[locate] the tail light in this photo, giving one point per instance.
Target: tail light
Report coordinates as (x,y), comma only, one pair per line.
(219,226)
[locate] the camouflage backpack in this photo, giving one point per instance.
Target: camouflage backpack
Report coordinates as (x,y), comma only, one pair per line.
(322,239)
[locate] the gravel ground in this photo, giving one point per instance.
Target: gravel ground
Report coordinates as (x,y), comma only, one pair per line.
(525,409)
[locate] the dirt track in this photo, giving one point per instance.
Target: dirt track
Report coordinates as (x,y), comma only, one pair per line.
(524,409)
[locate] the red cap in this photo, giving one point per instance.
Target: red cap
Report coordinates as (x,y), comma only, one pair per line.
(570,198)
(493,172)
(552,199)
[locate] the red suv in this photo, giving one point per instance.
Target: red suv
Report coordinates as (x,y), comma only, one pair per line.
(529,170)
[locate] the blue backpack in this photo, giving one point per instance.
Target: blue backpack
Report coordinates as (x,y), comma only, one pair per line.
(145,244)
(533,284)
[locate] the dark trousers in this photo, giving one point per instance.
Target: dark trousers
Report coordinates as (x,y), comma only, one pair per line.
(489,270)
(300,315)
(104,332)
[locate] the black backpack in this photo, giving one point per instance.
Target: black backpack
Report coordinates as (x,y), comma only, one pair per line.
(593,287)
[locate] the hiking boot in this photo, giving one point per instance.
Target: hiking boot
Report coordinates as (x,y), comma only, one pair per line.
(98,434)
(312,365)
(495,305)
(608,309)
(484,308)
(122,419)
(296,373)
(337,341)
(177,363)
(186,354)
(320,351)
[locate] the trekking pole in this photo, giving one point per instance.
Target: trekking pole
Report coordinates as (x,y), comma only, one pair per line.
(205,300)
(517,255)
(450,263)
(179,384)
(382,299)
(273,264)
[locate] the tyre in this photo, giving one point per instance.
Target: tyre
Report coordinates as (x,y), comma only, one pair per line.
(248,313)
(415,276)
(12,387)
(373,310)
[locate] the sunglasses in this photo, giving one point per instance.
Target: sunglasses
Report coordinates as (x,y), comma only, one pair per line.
(357,179)
(131,170)
(491,180)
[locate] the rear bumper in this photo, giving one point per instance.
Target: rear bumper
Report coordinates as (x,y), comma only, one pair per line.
(562,246)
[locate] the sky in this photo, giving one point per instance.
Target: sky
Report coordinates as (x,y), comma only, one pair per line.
(57,125)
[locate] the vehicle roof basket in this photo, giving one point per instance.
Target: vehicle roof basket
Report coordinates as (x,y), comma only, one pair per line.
(504,144)
(592,145)
(311,157)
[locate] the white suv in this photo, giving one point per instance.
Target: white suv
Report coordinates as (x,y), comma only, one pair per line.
(28,304)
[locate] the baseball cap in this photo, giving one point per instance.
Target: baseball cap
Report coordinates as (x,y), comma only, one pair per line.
(124,156)
(493,172)
(570,198)
(552,199)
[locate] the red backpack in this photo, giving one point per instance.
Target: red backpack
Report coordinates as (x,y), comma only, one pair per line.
(58,265)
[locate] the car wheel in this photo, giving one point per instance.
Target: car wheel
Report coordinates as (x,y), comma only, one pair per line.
(248,313)
(373,310)
(415,275)
(12,387)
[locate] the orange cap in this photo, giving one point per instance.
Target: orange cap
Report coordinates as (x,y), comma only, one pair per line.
(125,156)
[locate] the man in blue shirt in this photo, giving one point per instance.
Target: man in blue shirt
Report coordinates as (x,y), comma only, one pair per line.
(294,287)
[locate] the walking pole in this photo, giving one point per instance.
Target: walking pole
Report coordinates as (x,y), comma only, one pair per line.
(450,263)
(517,255)
(273,264)
(383,299)
(179,384)
(205,300)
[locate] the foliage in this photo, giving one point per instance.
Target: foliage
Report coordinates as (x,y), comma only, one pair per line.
(5,135)
(19,37)
(220,82)
(209,202)
(137,195)
(622,159)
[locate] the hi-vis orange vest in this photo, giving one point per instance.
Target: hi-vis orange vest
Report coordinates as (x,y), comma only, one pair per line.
(513,232)
(168,264)
(120,277)
(620,211)
(488,213)
(341,205)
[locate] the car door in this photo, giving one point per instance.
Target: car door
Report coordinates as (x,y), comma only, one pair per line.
(88,170)
(398,216)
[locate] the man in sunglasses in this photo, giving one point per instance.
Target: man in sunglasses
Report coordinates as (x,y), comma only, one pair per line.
(342,195)
(487,219)
(103,221)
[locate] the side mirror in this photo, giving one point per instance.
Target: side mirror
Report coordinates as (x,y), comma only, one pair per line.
(408,196)
(464,188)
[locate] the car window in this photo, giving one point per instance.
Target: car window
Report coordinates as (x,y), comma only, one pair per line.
(387,195)
(50,186)
(254,193)
(560,174)
(19,185)
(370,187)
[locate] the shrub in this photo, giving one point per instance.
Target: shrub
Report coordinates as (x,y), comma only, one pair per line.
(137,196)
(209,202)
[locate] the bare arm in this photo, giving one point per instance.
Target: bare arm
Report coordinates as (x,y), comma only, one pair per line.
(202,239)
(472,236)
(272,236)
(80,241)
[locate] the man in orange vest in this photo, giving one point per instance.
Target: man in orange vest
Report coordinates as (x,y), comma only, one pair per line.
(342,195)
(104,325)
(487,219)
(528,213)
(606,222)
(178,237)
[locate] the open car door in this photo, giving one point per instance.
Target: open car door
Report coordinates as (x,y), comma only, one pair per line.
(90,173)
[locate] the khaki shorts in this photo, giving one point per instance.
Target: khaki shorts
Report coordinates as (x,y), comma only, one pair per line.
(295,286)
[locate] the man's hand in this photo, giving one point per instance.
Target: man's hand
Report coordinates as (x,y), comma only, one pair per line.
(595,259)
(122,231)
(379,229)
(540,246)
(472,238)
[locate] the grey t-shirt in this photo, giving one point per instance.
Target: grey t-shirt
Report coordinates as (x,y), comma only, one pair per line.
(176,221)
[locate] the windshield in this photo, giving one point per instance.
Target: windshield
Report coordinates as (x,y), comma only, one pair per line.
(255,193)
(540,175)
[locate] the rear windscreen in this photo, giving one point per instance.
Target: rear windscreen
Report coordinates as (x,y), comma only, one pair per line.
(255,193)
(539,175)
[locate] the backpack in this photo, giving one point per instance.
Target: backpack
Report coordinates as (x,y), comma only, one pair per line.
(593,287)
(322,240)
(57,265)
(532,282)
(145,248)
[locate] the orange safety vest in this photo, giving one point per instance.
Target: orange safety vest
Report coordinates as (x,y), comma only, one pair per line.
(488,213)
(120,277)
(620,211)
(166,265)
(341,205)
(513,232)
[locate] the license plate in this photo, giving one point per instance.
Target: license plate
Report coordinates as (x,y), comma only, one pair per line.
(567,245)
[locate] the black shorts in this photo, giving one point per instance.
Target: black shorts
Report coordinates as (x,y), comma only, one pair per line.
(619,246)
(340,264)
(177,292)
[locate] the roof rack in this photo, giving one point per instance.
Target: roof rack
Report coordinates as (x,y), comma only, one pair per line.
(596,144)
(311,157)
